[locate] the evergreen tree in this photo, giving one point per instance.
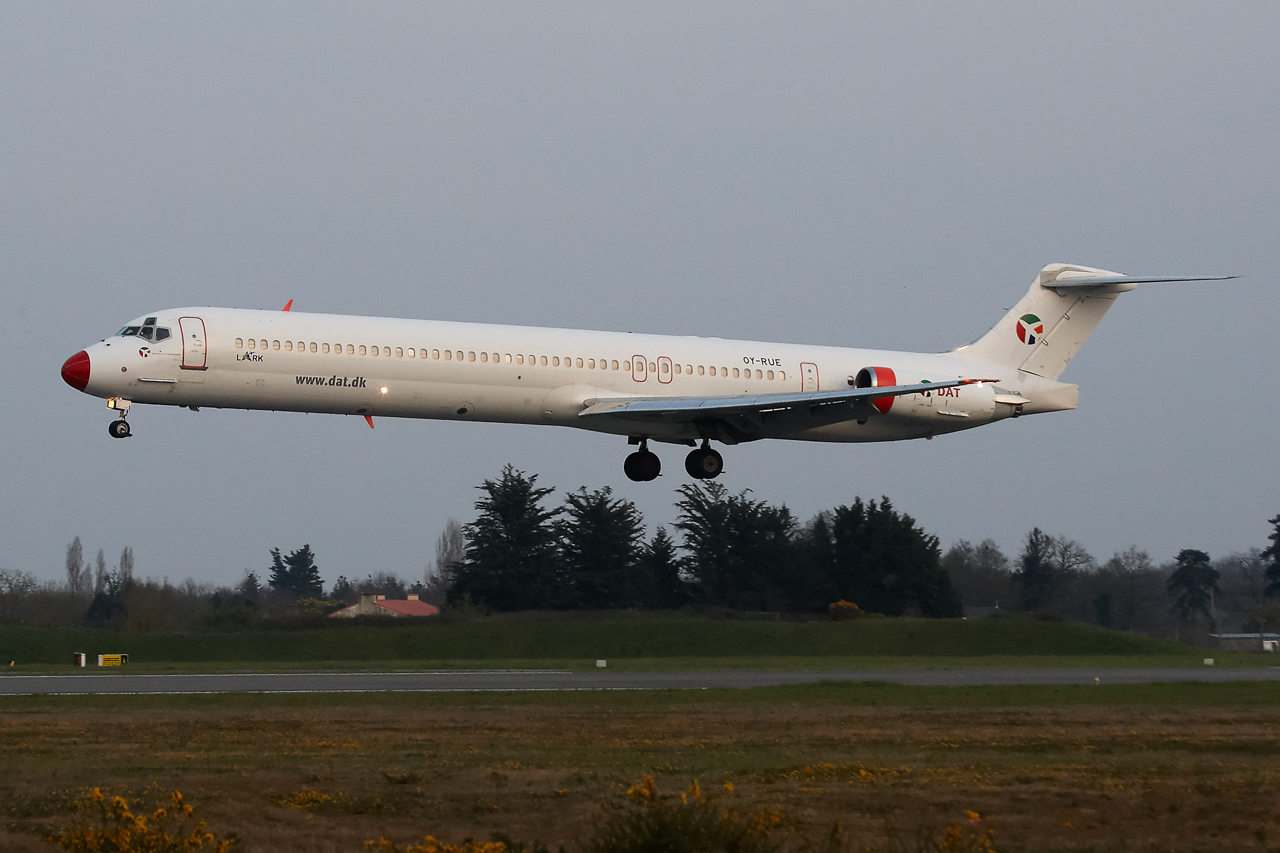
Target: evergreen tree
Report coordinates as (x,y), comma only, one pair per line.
(740,550)
(1271,556)
(884,563)
(601,544)
(1193,584)
(511,560)
(296,573)
(1034,574)
(660,567)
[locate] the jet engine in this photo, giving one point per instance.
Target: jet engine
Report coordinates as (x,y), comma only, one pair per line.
(877,377)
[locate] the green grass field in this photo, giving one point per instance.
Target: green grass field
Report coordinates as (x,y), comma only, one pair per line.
(627,641)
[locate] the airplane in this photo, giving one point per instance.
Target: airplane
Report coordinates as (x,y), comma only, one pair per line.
(665,389)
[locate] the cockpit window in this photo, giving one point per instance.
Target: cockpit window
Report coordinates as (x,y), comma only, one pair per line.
(147,331)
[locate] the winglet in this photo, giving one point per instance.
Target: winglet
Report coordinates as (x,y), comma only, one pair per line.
(287,305)
(369,418)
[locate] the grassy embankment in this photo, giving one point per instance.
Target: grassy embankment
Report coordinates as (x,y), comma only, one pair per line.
(626,641)
(1159,767)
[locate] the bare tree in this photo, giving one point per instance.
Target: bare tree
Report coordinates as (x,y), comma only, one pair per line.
(981,574)
(15,587)
(126,566)
(99,573)
(77,571)
(451,547)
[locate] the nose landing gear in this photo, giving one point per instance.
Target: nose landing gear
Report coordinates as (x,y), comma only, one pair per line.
(643,465)
(704,463)
(119,428)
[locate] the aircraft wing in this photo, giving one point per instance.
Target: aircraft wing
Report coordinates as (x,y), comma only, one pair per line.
(689,409)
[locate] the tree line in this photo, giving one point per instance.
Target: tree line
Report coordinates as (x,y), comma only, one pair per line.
(733,551)
(589,551)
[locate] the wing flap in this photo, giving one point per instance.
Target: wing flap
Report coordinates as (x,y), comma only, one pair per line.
(687,409)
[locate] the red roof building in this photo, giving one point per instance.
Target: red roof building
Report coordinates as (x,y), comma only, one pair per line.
(372,604)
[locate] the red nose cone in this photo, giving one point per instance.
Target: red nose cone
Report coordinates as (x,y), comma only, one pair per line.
(75,370)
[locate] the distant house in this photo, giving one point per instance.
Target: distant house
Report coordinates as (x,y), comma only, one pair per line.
(1254,642)
(372,604)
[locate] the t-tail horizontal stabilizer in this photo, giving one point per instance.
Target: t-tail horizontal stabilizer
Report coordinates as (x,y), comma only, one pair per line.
(1050,323)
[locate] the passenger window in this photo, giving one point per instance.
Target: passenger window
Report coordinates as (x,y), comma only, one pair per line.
(769,374)
(422,353)
(555,361)
(288,346)
(578,362)
(591,363)
(782,375)
(363,350)
(351,349)
(323,347)
(448,355)
(162,334)
(701,370)
(544,361)
(507,358)
(253,344)
(399,352)
(471,356)
(665,367)
(614,364)
(313,346)
(496,358)
(386,352)
(239,343)
(435,355)
(262,344)
(519,358)
(275,345)
(735,373)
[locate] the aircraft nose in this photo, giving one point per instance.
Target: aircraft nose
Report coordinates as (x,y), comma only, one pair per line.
(75,370)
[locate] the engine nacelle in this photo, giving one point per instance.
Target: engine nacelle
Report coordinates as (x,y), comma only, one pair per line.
(877,377)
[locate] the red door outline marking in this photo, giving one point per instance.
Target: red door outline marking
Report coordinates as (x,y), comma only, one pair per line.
(664,370)
(639,368)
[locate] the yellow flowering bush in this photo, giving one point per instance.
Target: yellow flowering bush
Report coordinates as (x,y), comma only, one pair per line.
(117,829)
(430,845)
(842,610)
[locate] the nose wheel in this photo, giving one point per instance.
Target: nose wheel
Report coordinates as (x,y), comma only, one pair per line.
(643,465)
(119,428)
(704,463)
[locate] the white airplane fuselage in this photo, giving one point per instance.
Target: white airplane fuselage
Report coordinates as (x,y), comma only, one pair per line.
(300,362)
(685,390)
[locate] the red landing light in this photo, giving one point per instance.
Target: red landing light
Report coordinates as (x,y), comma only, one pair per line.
(75,371)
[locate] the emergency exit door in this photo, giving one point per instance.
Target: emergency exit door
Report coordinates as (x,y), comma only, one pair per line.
(808,377)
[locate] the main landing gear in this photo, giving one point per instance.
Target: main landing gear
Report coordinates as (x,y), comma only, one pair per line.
(643,465)
(119,428)
(704,463)
(701,464)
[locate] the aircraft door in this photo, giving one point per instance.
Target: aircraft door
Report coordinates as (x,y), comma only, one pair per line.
(194,356)
(639,368)
(664,370)
(808,376)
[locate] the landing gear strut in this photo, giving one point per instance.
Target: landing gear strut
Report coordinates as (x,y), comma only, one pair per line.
(119,428)
(643,465)
(704,463)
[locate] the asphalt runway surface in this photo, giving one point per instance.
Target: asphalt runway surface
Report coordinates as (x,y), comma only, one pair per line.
(445,681)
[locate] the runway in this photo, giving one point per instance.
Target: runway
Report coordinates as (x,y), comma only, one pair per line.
(448,681)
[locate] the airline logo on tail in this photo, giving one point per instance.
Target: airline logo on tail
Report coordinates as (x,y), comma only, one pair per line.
(1030,328)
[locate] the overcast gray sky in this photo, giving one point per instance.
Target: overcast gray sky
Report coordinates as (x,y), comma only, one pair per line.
(884,175)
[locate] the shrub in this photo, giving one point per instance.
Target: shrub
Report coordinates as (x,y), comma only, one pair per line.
(116,829)
(842,610)
(689,823)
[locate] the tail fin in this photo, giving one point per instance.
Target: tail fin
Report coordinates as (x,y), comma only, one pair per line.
(1047,327)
